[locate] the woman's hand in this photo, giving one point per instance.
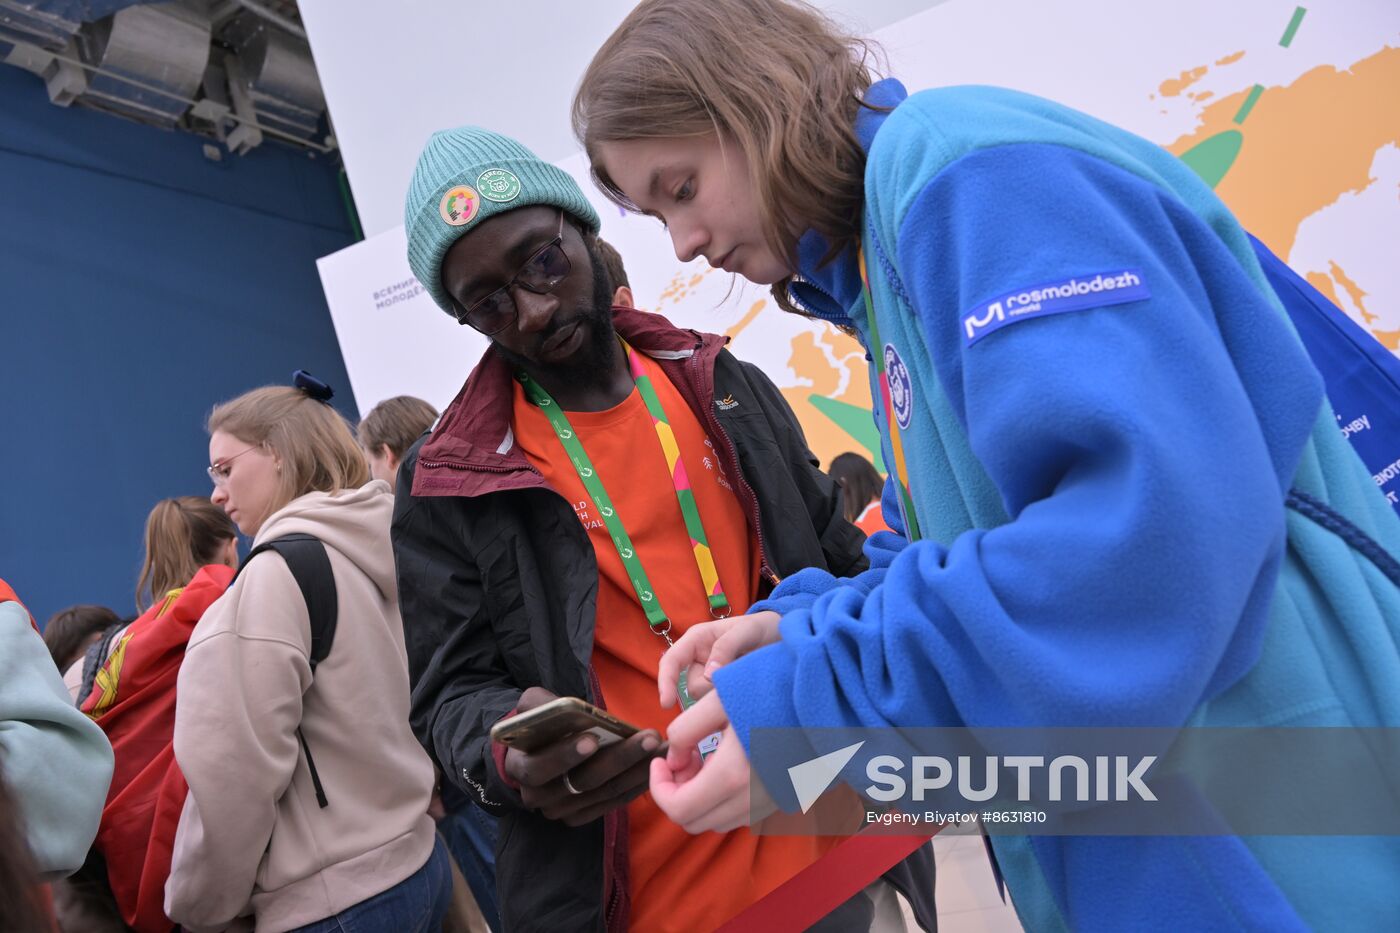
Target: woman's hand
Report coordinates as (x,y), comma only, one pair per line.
(716,795)
(706,647)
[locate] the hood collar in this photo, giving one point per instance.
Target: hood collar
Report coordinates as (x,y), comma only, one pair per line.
(474,434)
(829,291)
(354,522)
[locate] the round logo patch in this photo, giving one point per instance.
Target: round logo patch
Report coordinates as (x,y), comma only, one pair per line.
(459,205)
(498,185)
(901,387)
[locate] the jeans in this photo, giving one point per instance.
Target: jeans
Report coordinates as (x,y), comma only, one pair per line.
(471,838)
(415,905)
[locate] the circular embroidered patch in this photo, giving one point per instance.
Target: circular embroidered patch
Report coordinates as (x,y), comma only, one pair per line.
(498,185)
(459,205)
(901,387)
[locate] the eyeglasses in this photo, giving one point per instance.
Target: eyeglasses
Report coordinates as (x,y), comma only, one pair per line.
(218,472)
(541,274)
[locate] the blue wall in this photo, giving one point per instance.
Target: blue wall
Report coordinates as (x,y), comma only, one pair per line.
(140,284)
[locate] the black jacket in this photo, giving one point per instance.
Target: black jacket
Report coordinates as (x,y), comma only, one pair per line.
(498,583)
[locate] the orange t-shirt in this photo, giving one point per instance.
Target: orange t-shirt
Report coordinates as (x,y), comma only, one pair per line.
(872,519)
(679,882)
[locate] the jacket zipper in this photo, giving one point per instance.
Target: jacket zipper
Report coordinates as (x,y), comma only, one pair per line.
(614,889)
(610,914)
(597,688)
(456,465)
(813,312)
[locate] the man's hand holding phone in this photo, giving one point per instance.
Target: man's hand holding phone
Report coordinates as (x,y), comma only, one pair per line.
(576,778)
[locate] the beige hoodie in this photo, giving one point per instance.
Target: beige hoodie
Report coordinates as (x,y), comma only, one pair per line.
(252,839)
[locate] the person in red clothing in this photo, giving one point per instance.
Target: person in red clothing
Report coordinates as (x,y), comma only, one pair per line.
(604,481)
(622,440)
(860,487)
(191,553)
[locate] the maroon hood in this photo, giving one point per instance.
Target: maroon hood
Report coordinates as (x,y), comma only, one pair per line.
(472,450)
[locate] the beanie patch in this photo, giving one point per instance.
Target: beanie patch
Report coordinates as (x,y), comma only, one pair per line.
(498,185)
(466,176)
(459,205)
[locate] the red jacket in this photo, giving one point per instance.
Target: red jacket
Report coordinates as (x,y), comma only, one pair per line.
(133,700)
(7,595)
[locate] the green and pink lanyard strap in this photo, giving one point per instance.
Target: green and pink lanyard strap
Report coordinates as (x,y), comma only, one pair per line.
(680,479)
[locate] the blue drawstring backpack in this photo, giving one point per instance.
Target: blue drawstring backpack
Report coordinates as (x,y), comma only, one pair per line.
(1362,377)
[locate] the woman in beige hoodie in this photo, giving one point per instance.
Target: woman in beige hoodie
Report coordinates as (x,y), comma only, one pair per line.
(254,848)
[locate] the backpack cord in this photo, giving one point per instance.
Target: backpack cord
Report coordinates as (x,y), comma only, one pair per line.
(1327,517)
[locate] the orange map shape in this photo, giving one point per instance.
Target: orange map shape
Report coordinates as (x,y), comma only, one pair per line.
(1305,144)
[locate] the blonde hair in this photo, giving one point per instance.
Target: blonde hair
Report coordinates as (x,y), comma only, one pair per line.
(395,423)
(182,535)
(314,444)
(776,76)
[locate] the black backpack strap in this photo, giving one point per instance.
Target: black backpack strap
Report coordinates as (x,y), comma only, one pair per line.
(1324,515)
(311,568)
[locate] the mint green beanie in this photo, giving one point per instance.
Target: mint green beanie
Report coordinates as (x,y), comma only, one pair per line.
(466,175)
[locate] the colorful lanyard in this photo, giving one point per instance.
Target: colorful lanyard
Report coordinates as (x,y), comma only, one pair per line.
(704,560)
(901,468)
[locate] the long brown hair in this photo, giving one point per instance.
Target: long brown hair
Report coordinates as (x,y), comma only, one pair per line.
(860,483)
(315,445)
(395,423)
(182,535)
(775,76)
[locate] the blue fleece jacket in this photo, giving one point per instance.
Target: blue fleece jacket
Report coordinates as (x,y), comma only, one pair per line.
(1103,407)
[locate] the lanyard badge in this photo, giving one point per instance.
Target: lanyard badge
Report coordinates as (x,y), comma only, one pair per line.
(641,584)
(877,354)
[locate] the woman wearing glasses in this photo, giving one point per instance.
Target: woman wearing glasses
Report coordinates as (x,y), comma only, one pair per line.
(265,834)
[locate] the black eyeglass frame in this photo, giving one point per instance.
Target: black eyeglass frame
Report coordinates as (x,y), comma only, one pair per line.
(544,288)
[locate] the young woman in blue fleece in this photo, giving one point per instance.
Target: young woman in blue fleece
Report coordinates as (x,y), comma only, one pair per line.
(1101,408)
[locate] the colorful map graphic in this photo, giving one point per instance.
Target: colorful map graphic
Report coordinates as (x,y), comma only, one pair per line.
(1308,167)
(1291,114)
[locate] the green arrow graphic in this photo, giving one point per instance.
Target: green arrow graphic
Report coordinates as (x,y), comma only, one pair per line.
(855,421)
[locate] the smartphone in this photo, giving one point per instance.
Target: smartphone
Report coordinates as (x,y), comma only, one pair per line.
(558,719)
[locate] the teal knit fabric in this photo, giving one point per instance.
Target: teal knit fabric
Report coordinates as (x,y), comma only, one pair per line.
(467,175)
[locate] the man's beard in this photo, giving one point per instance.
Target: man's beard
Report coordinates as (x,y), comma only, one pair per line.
(594,359)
